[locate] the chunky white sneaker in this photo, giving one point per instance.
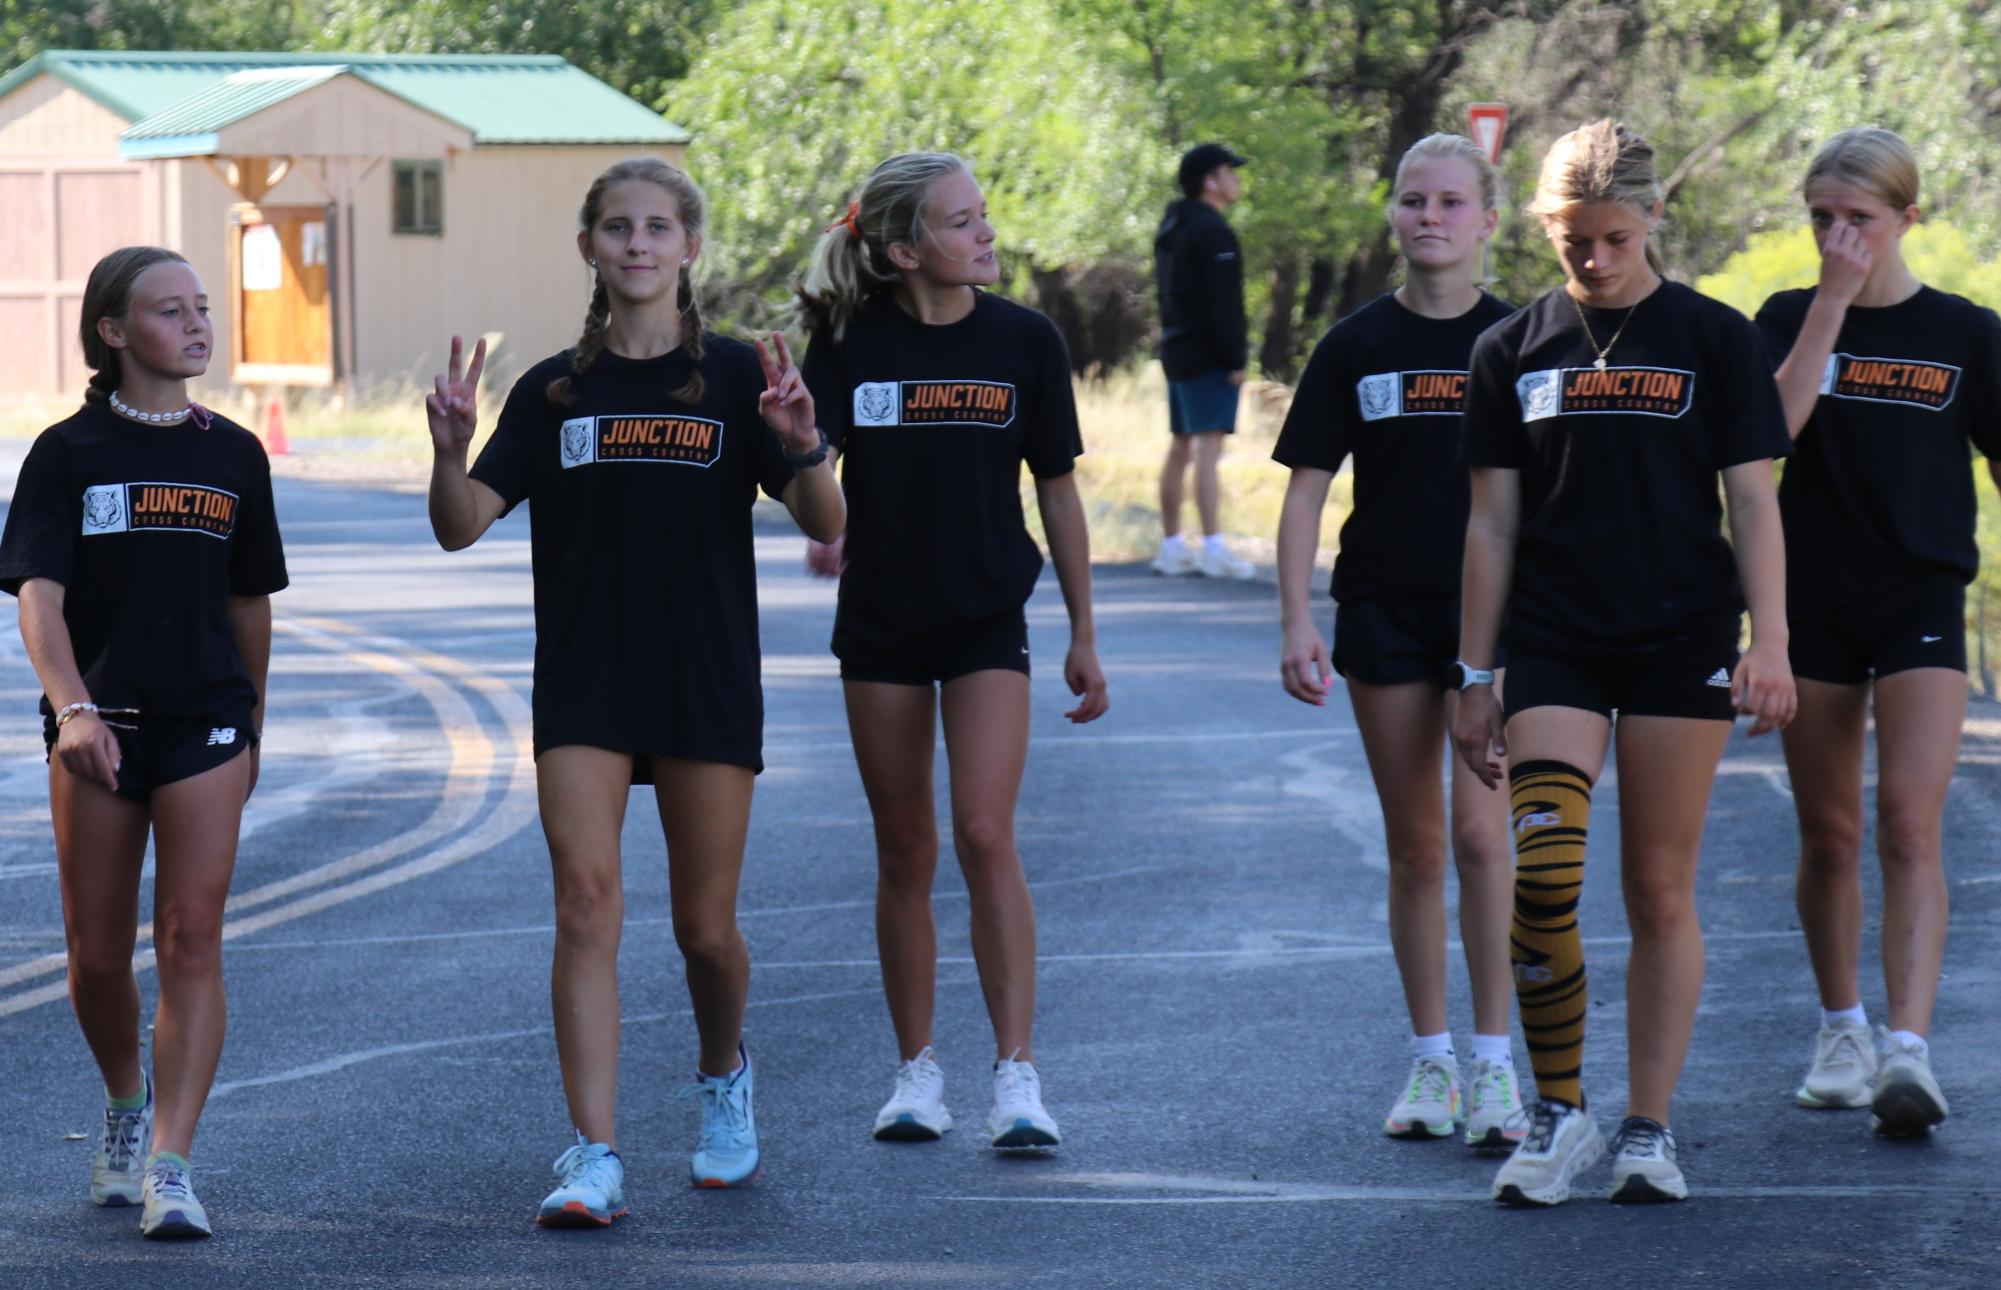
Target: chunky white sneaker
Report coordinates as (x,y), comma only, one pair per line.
(1430,1105)
(1561,1142)
(1177,562)
(117,1175)
(1018,1119)
(1493,1107)
(1643,1167)
(916,1111)
(590,1188)
(1908,1101)
(169,1208)
(727,1154)
(1219,562)
(1843,1064)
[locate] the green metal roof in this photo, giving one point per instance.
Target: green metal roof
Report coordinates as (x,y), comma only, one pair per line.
(536,98)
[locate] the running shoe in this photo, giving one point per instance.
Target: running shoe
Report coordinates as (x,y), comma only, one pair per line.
(1018,1119)
(1493,1115)
(169,1208)
(916,1111)
(590,1187)
(1643,1167)
(726,1156)
(1843,1064)
(1908,1102)
(117,1175)
(1220,562)
(1178,562)
(1559,1143)
(1431,1102)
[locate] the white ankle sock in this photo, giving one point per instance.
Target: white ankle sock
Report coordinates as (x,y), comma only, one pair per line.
(1835,1016)
(1214,542)
(1493,1048)
(1438,1045)
(1912,1039)
(1173,545)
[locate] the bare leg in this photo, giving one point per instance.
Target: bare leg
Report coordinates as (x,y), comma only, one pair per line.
(1919,714)
(100,849)
(705,812)
(196,822)
(1483,854)
(1171,475)
(1208,497)
(986,741)
(1666,768)
(583,794)
(894,732)
(1824,759)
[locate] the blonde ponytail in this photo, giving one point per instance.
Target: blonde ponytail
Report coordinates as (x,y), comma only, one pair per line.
(851,260)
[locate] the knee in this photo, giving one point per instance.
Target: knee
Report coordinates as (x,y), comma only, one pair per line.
(1830,845)
(95,965)
(188,944)
(1417,864)
(1907,840)
(589,907)
(982,839)
(1481,851)
(907,860)
(1660,910)
(709,945)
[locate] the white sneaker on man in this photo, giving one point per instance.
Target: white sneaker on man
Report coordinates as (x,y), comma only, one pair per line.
(1018,1119)
(1908,1101)
(1493,1106)
(1843,1064)
(1643,1166)
(1176,561)
(117,1175)
(1561,1143)
(916,1110)
(1219,562)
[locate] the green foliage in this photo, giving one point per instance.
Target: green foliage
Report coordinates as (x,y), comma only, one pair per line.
(793,101)
(1938,254)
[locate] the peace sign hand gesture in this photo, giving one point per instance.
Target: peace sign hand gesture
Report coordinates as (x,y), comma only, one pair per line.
(453,408)
(786,405)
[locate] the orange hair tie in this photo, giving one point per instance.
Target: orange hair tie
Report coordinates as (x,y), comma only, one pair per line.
(849,221)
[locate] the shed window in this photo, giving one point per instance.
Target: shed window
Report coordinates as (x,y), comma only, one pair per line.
(419,193)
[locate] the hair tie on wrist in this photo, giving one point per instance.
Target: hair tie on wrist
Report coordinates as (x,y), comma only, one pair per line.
(849,221)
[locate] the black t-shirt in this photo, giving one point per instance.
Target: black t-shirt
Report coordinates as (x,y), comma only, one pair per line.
(1387,384)
(640,536)
(1620,542)
(933,423)
(1880,488)
(150,530)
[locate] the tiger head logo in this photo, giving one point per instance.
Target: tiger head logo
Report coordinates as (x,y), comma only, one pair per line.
(878,404)
(576,440)
(100,508)
(1378,393)
(1539,394)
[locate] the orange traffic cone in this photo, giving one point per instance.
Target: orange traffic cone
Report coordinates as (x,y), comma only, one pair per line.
(274,426)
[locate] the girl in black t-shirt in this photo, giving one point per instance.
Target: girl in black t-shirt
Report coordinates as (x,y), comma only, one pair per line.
(1886,383)
(641,451)
(1387,384)
(1597,421)
(142,544)
(936,393)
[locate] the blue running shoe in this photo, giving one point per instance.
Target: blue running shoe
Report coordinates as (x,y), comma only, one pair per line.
(590,1187)
(117,1175)
(727,1154)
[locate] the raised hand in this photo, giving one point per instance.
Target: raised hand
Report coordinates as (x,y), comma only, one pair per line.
(1844,264)
(453,407)
(786,405)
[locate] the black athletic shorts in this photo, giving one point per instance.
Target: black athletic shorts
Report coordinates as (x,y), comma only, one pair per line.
(1394,642)
(1685,680)
(997,643)
(1921,625)
(156,753)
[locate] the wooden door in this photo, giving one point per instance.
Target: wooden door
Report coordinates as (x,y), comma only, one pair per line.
(279,259)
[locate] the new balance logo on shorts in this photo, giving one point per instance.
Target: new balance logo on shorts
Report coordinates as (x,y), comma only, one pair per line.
(221,736)
(1720,678)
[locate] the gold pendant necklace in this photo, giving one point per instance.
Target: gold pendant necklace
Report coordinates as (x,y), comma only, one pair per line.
(1593,340)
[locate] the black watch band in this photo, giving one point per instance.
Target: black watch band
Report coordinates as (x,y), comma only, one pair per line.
(807,460)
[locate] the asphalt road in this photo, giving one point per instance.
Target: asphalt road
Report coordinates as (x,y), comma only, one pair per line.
(1220,1025)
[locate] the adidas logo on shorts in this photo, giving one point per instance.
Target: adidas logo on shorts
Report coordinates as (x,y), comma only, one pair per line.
(1720,678)
(221,736)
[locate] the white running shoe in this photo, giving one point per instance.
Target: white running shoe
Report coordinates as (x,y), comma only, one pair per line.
(727,1155)
(1493,1107)
(1431,1101)
(1018,1119)
(170,1210)
(1643,1167)
(117,1175)
(916,1111)
(1219,562)
(1177,562)
(590,1187)
(1560,1143)
(1908,1101)
(1843,1064)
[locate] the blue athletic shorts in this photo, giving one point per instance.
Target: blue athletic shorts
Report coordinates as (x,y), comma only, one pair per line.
(1202,403)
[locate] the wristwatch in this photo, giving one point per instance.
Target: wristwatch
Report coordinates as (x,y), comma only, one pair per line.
(808,459)
(1463,676)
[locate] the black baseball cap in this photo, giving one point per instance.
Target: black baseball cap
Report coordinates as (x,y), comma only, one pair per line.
(1198,161)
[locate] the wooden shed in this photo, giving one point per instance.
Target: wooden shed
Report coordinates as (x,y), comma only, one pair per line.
(347,212)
